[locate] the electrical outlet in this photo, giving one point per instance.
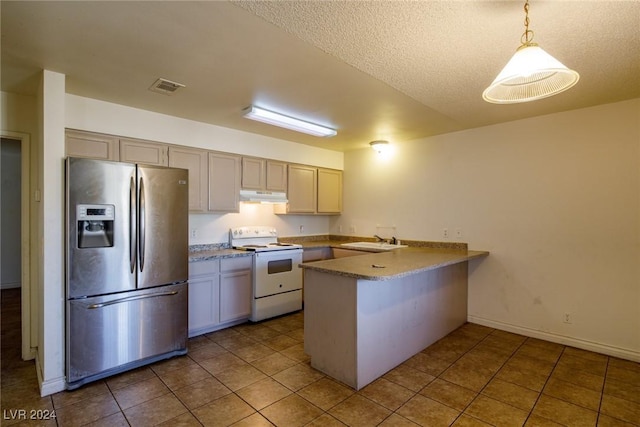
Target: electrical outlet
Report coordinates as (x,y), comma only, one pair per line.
(567,318)
(352,229)
(193,233)
(445,233)
(458,233)
(302,229)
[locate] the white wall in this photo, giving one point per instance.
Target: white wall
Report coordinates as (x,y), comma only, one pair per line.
(51,350)
(556,199)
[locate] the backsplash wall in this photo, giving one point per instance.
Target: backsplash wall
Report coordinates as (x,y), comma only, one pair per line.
(212,228)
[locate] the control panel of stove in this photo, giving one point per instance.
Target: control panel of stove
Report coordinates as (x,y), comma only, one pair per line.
(252,232)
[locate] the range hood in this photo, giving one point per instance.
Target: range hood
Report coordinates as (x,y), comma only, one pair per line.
(258,196)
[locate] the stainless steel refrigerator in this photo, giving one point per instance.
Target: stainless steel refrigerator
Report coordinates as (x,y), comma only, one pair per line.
(126,267)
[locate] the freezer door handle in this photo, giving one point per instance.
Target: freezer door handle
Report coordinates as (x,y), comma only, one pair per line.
(142,213)
(134,298)
(132,224)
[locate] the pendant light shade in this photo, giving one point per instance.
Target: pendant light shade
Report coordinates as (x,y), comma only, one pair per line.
(531,74)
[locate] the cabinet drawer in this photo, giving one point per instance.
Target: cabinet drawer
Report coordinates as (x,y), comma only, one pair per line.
(236,263)
(201,268)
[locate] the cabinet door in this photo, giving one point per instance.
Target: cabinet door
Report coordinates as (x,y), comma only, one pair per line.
(91,145)
(302,188)
(149,153)
(316,254)
(329,191)
(195,161)
(204,305)
(276,176)
(224,183)
(235,295)
(253,173)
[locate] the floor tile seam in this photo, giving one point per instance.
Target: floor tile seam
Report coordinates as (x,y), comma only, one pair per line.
(253,407)
(541,392)
(284,385)
(169,391)
(634,402)
(494,376)
(632,383)
(603,377)
(414,394)
(81,400)
(297,392)
(281,399)
(606,370)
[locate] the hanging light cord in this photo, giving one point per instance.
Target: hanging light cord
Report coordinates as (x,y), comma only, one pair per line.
(527,36)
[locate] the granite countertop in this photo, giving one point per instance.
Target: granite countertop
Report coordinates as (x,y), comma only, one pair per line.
(393,264)
(213,251)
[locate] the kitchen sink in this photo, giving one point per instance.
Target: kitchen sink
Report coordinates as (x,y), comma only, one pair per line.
(376,246)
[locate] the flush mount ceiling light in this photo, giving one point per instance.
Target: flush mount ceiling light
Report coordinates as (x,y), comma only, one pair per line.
(380,146)
(277,119)
(531,73)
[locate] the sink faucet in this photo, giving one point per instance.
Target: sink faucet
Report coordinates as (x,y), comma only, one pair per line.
(380,239)
(392,240)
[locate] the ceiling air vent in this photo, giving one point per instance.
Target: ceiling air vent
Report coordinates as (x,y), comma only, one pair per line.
(165,86)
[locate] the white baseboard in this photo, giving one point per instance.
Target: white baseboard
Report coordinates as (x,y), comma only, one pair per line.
(50,386)
(609,350)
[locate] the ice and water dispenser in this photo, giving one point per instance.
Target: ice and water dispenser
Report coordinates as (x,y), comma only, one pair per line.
(95,225)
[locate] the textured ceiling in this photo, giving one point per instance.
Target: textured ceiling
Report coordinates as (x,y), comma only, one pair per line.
(396,70)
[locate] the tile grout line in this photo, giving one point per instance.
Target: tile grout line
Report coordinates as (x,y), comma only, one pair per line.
(555,365)
(492,377)
(604,383)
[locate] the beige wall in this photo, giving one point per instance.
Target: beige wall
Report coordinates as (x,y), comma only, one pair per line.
(556,199)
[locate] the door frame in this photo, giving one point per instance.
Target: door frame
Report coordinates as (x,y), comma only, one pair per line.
(26,294)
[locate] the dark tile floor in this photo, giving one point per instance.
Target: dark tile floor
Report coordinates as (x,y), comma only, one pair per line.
(258,375)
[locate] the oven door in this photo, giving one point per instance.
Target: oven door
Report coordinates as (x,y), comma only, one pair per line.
(276,272)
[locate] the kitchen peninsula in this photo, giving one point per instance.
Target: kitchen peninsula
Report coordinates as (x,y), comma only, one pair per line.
(366,314)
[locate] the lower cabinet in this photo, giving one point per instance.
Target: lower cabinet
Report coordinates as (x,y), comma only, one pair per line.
(219,293)
(235,288)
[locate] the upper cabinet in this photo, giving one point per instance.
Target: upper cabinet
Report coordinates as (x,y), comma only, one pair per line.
(276,176)
(262,174)
(253,176)
(92,145)
(224,182)
(215,178)
(302,189)
(149,153)
(195,161)
(329,191)
(313,191)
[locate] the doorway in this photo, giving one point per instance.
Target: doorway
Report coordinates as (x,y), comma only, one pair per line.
(15,224)
(10,250)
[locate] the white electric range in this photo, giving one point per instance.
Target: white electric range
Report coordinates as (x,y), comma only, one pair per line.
(277,277)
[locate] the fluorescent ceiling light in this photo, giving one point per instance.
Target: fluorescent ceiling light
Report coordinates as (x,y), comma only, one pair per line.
(276,119)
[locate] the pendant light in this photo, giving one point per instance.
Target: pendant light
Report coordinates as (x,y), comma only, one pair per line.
(531,73)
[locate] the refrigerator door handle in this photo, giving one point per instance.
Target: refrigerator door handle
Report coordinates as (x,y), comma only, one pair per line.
(141,225)
(132,224)
(134,298)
